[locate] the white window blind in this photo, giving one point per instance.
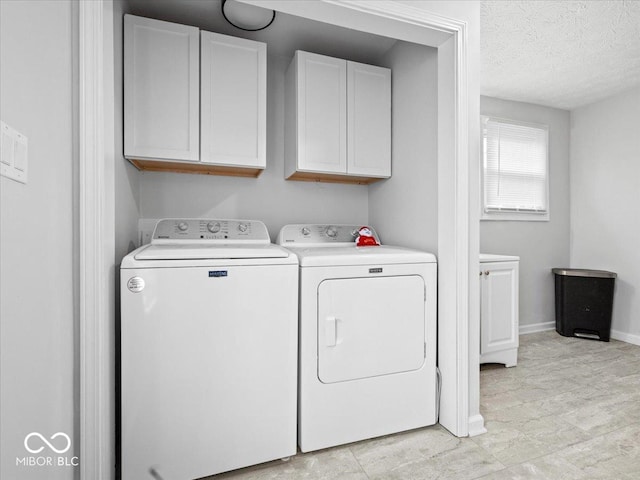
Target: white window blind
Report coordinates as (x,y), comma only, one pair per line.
(515,167)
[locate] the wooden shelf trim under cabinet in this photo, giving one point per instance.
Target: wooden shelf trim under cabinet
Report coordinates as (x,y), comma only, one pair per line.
(333,178)
(198,168)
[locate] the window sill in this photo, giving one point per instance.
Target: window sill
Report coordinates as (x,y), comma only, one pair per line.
(515,216)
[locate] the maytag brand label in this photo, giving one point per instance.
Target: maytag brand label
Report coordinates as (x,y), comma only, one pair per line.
(375,270)
(217,273)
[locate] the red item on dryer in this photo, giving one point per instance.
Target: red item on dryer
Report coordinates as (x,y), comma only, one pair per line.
(366,238)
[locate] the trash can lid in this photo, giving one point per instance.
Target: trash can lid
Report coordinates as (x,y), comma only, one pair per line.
(583,272)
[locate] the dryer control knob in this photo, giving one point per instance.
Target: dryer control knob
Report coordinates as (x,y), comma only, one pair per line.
(305,231)
(242,227)
(183,226)
(213,227)
(332,232)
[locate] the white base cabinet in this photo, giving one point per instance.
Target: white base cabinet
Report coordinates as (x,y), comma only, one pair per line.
(337,120)
(195,101)
(499,309)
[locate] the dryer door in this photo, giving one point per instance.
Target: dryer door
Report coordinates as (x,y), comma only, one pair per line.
(370,326)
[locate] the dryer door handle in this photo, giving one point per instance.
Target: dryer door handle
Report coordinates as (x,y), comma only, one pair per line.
(331,331)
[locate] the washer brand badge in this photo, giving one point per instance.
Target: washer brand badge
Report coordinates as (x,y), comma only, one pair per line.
(217,273)
(42,449)
(375,270)
(135,284)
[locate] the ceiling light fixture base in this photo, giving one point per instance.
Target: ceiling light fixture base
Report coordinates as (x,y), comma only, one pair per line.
(247,10)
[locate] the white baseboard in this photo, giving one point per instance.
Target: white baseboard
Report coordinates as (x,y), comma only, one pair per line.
(625,337)
(615,334)
(537,327)
(476,425)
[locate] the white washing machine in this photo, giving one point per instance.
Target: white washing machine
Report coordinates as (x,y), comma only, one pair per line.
(208,350)
(367,346)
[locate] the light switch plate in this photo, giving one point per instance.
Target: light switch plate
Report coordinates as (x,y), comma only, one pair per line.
(14,148)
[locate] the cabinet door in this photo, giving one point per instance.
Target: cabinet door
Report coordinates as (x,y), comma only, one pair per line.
(499,306)
(234,101)
(368,120)
(161,90)
(321,113)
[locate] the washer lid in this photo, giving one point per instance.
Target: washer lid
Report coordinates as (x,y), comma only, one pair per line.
(378,255)
(190,251)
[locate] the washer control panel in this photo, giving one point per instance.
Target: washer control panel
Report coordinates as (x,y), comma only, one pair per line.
(305,234)
(210,229)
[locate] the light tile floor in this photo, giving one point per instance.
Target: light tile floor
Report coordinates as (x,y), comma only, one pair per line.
(570,410)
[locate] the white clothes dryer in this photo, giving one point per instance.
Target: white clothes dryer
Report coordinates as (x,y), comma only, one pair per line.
(367,346)
(208,350)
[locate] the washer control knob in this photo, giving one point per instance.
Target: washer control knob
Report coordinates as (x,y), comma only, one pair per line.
(242,227)
(213,227)
(305,231)
(332,232)
(183,226)
(354,233)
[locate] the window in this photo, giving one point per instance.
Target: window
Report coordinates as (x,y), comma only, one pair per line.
(515,170)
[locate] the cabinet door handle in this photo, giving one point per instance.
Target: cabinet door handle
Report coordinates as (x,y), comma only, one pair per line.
(480,273)
(487,272)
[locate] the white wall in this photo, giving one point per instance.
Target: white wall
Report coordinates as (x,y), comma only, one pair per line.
(127,184)
(36,235)
(605,196)
(404,208)
(449,289)
(127,191)
(540,245)
(269,198)
(471,14)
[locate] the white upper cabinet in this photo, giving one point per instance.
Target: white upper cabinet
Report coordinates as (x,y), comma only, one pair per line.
(233,73)
(195,102)
(337,120)
(321,98)
(161,88)
(368,120)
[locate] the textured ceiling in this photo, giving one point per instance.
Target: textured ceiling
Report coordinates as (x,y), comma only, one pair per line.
(561,53)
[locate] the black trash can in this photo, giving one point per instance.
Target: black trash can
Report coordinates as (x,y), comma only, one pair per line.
(584,302)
